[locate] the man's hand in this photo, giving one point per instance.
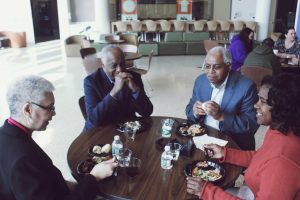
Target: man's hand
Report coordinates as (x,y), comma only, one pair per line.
(213,109)
(129,81)
(197,109)
(119,83)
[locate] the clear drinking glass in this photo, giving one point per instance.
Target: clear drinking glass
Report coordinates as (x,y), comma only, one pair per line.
(166,127)
(175,150)
(133,167)
(123,157)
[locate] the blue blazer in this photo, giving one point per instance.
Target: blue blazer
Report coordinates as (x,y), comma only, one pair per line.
(237,104)
(103,109)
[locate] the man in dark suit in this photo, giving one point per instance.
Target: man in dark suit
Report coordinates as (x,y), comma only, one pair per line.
(113,94)
(225,99)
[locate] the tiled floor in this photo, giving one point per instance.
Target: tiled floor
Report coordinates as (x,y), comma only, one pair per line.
(171,77)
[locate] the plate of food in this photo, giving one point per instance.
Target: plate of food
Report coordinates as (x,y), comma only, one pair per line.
(136,125)
(100,150)
(187,129)
(206,170)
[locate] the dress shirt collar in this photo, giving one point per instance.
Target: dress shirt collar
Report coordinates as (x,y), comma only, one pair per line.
(13,122)
(222,85)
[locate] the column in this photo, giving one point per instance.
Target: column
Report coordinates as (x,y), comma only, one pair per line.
(102,17)
(262,16)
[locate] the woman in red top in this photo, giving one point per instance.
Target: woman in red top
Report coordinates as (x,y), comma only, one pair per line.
(273,171)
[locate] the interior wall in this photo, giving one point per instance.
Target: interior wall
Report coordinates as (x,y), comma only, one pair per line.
(82,11)
(272,16)
(221,9)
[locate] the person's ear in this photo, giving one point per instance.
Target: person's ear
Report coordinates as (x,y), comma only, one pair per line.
(27,109)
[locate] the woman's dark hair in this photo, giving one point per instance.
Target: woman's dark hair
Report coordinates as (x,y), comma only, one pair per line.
(284,97)
(244,36)
(282,36)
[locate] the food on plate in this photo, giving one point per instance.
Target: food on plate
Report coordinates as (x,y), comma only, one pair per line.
(106,148)
(202,164)
(97,149)
(97,159)
(183,129)
(208,174)
(195,129)
(132,125)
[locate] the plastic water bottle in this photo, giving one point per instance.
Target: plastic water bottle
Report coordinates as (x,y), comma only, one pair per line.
(166,158)
(116,145)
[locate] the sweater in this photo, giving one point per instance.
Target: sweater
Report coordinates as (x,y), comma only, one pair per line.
(263,56)
(273,171)
(238,53)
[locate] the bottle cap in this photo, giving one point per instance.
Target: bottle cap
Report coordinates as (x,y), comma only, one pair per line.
(116,137)
(167,148)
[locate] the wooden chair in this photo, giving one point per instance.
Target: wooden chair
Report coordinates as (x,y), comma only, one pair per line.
(212,27)
(144,71)
(87,51)
(151,28)
(136,27)
(208,45)
(255,73)
(179,25)
(129,48)
(165,27)
(81,103)
(73,44)
(130,38)
(199,25)
(121,26)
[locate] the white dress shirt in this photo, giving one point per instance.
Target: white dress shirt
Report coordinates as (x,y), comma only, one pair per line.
(216,96)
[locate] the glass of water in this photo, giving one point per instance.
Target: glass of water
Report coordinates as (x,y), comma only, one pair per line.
(175,150)
(166,127)
(123,157)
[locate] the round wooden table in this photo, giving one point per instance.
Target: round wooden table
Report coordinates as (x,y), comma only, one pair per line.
(153,182)
(132,56)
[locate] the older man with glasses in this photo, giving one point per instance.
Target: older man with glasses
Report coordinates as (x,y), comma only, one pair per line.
(113,94)
(224,99)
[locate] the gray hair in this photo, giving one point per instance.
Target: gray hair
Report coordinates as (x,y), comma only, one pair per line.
(221,50)
(25,89)
(104,52)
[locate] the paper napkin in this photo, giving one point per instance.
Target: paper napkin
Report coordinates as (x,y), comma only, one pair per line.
(205,139)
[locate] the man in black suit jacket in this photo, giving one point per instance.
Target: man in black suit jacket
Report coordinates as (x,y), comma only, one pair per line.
(26,172)
(113,94)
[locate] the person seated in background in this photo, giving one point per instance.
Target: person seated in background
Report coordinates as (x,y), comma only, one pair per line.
(272,170)
(113,94)
(287,45)
(224,99)
(26,171)
(240,46)
(263,56)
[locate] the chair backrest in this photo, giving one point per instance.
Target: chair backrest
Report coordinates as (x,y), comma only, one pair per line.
(165,25)
(238,25)
(121,26)
(225,25)
(77,39)
(112,37)
(255,73)
(199,25)
(87,51)
(209,44)
(128,48)
(212,25)
(151,25)
(91,64)
(136,26)
(252,25)
(130,39)
(179,25)
(81,103)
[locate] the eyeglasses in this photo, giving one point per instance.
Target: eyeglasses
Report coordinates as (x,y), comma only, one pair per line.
(50,108)
(215,67)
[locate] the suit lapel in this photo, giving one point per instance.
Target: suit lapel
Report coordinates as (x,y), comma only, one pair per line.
(229,90)
(209,89)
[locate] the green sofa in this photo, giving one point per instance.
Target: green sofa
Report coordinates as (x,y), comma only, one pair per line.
(183,43)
